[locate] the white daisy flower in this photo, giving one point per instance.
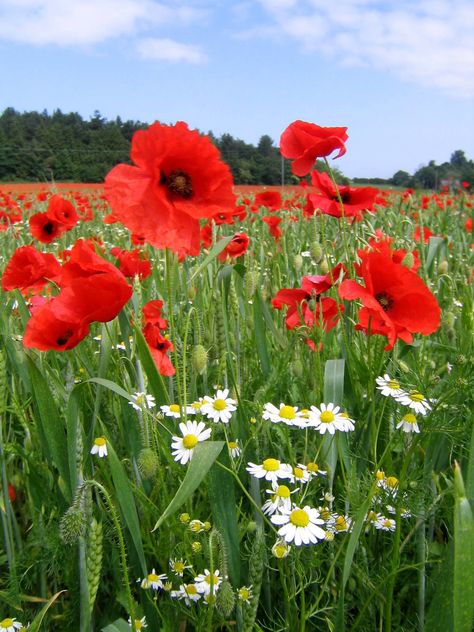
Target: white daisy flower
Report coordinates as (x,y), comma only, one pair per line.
(193,433)
(141,401)
(152,580)
(176,411)
(270,470)
(389,387)
(99,447)
(10,625)
(288,415)
(299,526)
(179,566)
(404,513)
(138,624)
(187,592)
(204,580)
(416,401)
(327,418)
(373,517)
(348,422)
(220,407)
(281,549)
(342,524)
(385,524)
(281,498)
(244,594)
(313,469)
(234,449)
(408,423)
(300,474)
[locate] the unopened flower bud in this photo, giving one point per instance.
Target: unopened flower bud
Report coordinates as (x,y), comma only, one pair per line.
(251,281)
(147,463)
(449,319)
(297,367)
(443,267)
(72,525)
(225,598)
(316,252)
(298,262)
(199,358)
(324,266)
(192,292)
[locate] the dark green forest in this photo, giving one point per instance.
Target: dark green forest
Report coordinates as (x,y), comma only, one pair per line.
(43,147)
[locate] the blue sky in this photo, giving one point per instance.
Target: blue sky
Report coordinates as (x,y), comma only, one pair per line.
(399,74)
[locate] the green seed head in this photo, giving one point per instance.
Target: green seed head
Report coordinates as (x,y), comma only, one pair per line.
(148,463)
(225,598)
(316,252)
(199,359)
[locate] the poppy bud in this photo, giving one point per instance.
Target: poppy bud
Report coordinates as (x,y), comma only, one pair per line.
(298,262)
(251,281)
(199,359)
(316,252)
(147,463)
(403,366)
(225,598)
(324,266)
(449,319)
(11,493)
(443,267)
(192,292)
(297,367)
(72,525)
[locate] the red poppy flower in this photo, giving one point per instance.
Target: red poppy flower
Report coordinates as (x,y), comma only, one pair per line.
(62,211)
(46,330)
(236,247)
(159,346)
(133,262)
(396,302)
(304,142)
(206,234)
(426,234)
(355,200)
(468,225)
(45,229)
(30,270)
(270,199)
(152,314)
(179,178)
(381,243)
(273,224)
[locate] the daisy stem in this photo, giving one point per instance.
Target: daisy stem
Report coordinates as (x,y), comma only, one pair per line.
(286,596)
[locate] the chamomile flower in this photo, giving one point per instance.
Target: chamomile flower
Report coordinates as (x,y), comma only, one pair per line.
(244,594)
(373,517)
(193,433)
(342,524)
(176,411)
(300,474)
(408,423)
(197,526)
(389,387)
(416,401)
(220,407)
(178,567)
(138,624)
(385,524)
(270,470)
(281,498)
(404,513)
(348,423)
(141,401)
(327,418)
(206,583)
(10,625)
(314,470)
(234,449)
(288,415)
(281,549)
(99,447)
(152,580)
(187,592)
(300,526)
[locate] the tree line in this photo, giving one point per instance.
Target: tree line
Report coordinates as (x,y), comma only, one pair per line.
(43,147)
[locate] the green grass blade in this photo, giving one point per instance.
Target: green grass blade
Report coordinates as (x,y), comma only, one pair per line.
(213,253)
(260,334)
(333,392)
(204,456)
(35,625)
(433,246)
(463,581)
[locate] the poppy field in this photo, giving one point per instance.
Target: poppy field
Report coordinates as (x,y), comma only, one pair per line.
(231,408)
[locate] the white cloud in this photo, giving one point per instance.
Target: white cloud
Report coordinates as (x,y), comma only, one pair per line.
(169,50)
(85,22)
(430,42)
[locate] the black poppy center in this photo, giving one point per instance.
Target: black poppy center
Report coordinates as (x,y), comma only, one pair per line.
(48,228)
(62,340)
(384,300)
(179,183)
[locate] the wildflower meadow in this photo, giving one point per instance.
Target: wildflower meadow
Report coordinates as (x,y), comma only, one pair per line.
(225,410)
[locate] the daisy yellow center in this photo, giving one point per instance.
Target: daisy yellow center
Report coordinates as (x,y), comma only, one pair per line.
(271,465)
(415,396)
(233,445)
(152,577)
(372,515)
(313,467)
(391,481)
(380,475)
(219,404)
(140,399)
(325,513)
(393,384)
(6,623)
(174,408)
(190,441)
(280,550)
(138,624)
(287,412)
(341,523)
(283,491)
(195,405)
(327,416)
(409,418)
(191,589)
(387,523)
(299,518)
(244,593)
(208,579)
(179,567)
(100,441)
(298,472)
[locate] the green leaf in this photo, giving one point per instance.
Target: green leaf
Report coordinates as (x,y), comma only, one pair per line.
(50,425)
(434,245)
(463,581)
(213,253)
(334,381)
(124,492)
(203,457)
(120,625)
(35,625)
(260,334)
